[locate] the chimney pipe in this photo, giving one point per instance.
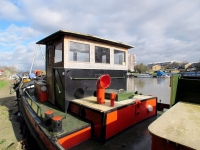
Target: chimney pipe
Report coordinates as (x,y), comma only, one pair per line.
(102,83)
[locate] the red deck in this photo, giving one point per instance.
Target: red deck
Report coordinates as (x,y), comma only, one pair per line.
(108,121)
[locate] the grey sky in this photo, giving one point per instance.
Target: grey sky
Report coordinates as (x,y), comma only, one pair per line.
(159,30)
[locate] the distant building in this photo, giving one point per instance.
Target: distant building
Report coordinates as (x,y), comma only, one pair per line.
(1,73)
(186,65)
(162,64)
(194,67)
(131,62)
(156,67)
(166,63)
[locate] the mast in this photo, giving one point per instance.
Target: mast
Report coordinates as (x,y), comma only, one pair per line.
(34,55)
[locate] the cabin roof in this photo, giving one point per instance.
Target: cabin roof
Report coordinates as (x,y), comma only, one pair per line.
(84,36)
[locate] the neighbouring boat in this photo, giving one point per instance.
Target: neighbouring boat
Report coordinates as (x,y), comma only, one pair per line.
(178,127)
(164,76)
(161,74)
(83,95)
(130,74)
(144,75)
(191,73)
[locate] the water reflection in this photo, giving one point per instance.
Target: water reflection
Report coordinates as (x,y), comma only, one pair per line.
(140,83)
(130,84)
(163,81)
(158,87)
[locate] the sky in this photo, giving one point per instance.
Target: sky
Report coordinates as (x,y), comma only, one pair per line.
(159,30)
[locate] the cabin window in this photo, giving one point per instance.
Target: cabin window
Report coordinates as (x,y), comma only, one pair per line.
(79,52)
(102,55)
(49,60)
(49,50)
(119,57)
(58,53)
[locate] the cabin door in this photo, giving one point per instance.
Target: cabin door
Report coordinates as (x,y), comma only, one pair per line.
(49,73)
(59,88)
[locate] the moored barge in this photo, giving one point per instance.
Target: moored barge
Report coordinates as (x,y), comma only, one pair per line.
(179,127)
(84,94)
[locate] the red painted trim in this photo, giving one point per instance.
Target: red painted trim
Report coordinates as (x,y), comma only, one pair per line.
(37,129)
(74,108)
(75,138)
(121,119)
(56,118)
(162,144)
(42,96)
(49,112)
(118,120)
(94,117)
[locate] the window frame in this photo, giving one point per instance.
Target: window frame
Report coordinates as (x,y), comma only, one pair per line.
(79,42)
(109,49)
(59,50)
(114,56)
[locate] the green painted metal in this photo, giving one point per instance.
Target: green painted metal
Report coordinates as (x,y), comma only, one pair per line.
(121,94)
(188,90)
(70,123)
(154,74)
(174,85)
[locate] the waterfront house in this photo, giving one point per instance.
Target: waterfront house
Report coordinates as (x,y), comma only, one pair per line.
(194,67)
(1,73)
(156,67)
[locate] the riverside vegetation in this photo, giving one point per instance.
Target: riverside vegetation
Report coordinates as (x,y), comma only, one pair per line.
(9,125)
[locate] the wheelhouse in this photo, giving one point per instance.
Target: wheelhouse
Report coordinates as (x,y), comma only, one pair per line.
(75,61)
(85,94)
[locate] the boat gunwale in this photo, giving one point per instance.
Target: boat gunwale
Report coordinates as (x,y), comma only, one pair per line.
(24,103)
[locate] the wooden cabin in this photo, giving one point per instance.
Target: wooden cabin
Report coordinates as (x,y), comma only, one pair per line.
(75,61)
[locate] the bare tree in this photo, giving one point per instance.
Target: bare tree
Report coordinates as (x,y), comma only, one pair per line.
(141,68)
(6,73)
(11,69)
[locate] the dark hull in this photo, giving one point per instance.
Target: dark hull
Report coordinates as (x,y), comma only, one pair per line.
(79,83)
(32,122)
(46,141)
(43,133)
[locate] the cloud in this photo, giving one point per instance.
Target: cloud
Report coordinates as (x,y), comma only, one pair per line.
(169,33)
(9,11)
(14,36)
(22,56)
(17,45)
(159,30)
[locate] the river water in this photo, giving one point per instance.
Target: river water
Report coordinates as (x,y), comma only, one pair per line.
(159,87)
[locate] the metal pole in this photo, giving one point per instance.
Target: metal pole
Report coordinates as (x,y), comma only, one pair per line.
(35,53)
(42,52)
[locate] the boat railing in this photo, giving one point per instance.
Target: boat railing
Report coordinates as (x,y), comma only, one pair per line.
(59,145)
(38,107)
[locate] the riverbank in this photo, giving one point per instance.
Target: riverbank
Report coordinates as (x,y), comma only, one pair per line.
(9,125)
